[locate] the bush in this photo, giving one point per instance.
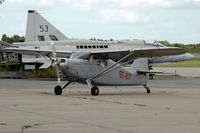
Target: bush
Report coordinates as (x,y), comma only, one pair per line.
(45,73)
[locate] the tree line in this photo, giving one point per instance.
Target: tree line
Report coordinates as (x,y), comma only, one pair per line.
(12,39)
(191,48)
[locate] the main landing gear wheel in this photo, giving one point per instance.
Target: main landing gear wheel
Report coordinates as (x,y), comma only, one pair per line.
(95,91)
(147,88)
(58,90)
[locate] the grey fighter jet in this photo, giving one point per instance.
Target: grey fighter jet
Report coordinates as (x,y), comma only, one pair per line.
(40,30)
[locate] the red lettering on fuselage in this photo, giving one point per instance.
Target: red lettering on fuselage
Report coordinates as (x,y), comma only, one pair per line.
(125,75)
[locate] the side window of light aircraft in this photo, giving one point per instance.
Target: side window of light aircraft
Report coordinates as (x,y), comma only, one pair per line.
(99,62)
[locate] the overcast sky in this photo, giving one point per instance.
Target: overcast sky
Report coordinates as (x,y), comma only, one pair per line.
(172,20)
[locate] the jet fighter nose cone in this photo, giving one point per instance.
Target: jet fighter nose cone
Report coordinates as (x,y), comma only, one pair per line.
(189,56)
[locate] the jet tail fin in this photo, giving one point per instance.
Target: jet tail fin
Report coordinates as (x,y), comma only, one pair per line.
(39,29)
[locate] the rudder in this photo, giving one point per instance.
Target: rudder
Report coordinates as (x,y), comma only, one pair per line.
(140,64)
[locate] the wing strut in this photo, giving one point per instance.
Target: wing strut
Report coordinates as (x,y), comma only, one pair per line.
(110,68)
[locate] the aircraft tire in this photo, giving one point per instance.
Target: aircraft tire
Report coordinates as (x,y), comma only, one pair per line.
(148,90)
(58,90)
(94,91)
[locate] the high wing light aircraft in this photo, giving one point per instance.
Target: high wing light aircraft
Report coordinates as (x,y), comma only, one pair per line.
(95,63)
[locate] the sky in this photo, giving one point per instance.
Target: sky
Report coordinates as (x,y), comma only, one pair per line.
(177,21)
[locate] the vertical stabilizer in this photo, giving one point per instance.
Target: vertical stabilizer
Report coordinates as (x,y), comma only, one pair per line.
(140,64)
(140,67)
(39,29)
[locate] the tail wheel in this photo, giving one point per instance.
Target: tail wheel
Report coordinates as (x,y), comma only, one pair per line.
(58,90)
(95,91)
(147,88)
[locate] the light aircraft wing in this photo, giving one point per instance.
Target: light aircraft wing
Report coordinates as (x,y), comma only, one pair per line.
(105,54)
(138,53)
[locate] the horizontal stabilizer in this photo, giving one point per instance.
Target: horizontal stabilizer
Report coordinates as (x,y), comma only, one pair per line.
(159,64)
(151,72)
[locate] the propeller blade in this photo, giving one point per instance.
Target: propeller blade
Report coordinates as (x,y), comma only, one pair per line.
(55,61)
(53,50)
(58,74)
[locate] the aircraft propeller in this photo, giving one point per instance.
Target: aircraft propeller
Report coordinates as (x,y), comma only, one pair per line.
(55,61)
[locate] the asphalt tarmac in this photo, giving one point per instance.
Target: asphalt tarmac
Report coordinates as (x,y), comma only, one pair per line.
(30,106)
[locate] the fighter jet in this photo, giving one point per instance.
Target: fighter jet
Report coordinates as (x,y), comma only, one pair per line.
(40,30)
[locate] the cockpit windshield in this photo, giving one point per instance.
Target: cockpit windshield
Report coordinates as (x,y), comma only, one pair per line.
(154,43)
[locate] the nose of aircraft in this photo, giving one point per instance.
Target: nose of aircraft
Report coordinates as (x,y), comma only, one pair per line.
(189,56)
(197,56)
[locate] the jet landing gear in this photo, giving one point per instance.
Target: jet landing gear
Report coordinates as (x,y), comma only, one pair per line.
(95,91)
(58,89)
(147,88)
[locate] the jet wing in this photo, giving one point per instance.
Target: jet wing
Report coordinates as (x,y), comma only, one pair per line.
(105,54)
(5,43)
(43,52)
